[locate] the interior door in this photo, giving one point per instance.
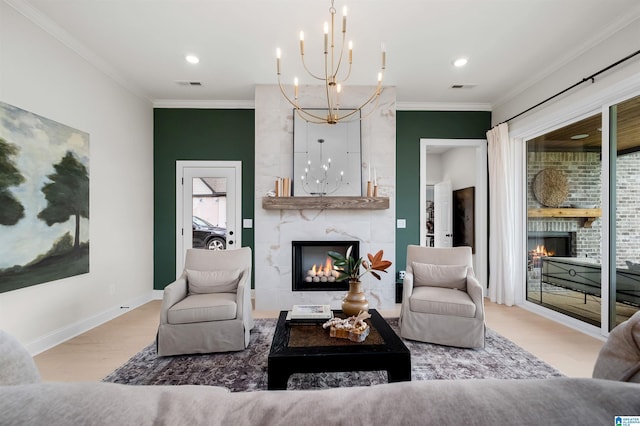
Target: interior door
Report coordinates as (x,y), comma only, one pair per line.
(443,224)
(208,207)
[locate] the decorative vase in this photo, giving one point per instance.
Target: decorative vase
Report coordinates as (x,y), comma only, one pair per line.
(354,301)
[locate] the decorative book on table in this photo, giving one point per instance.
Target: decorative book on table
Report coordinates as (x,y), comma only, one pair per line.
(318,312)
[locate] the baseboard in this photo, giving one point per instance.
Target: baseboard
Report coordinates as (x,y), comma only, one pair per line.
(563,320)
(63,334)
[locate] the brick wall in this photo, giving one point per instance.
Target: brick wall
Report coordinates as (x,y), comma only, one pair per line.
(583,171)
(628,209)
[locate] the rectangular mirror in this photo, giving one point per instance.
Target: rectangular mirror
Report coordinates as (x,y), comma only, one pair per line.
(326,158)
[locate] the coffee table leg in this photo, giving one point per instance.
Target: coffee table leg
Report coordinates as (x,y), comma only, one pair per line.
(399,373)
(277,378)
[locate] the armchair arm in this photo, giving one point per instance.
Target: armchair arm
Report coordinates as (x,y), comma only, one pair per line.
(173,293)
(243,294)
(474,290)
(407,287)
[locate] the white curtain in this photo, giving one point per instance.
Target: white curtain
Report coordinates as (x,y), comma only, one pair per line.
(501,216)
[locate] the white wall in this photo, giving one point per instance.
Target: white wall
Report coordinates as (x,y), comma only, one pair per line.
(434,169)
(39,74)
(459,166)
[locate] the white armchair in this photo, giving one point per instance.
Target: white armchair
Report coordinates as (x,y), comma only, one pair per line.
(208,308)
(442,301)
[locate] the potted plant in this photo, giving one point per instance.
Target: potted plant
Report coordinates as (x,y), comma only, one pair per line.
(352,269)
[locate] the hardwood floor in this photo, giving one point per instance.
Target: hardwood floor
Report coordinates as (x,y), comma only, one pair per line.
(96,353)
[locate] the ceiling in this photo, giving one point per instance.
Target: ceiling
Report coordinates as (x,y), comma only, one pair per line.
(586,134)
(510,44)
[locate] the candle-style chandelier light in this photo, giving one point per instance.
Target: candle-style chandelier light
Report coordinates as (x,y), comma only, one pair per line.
(336,71)
(316,179)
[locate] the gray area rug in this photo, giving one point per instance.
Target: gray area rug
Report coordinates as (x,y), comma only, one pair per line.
(247,370)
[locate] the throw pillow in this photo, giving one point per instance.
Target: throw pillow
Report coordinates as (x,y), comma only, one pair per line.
(203,282)
(448,276)
(619,358)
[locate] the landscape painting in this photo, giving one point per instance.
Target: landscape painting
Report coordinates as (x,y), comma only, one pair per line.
(44,199)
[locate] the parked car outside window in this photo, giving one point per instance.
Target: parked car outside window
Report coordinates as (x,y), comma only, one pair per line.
(208,236)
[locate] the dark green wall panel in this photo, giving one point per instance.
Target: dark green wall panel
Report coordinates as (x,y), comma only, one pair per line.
(229,135)
(411,126)
(196,134)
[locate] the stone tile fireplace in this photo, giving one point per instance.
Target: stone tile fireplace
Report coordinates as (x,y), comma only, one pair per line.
(275,230)
(313,269)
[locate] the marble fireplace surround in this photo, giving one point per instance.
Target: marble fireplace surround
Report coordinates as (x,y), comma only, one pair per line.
(276,229)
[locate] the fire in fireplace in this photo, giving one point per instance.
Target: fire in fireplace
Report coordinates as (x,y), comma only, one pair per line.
(547,244)
(313,268)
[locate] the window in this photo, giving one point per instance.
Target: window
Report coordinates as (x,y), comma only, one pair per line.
(564,230)
(565,248)
(625,196)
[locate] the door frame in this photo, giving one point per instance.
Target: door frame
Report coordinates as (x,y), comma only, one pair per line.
(481,256)
(184,164)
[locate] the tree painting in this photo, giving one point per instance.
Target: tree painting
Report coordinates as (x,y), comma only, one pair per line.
(11,210)
(67,194)
(44,199)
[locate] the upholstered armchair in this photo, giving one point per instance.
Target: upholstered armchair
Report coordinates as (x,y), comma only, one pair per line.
(208,308)
(442,301)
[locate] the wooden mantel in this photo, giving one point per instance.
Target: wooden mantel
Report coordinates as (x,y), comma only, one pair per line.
(588,214)
(325,203)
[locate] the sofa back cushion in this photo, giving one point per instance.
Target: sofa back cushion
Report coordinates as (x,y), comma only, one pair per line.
(448,276)
(219,281)
(16,364)
(619,358)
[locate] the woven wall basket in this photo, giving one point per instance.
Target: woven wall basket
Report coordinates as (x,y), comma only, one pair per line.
(550,187)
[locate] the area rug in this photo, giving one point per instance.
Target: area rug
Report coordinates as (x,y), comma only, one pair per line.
(247,370)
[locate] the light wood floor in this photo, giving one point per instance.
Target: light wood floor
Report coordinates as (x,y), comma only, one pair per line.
(96,353)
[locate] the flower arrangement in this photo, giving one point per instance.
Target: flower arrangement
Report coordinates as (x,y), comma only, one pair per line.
(350,268)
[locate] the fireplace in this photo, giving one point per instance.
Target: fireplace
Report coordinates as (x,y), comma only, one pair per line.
(312,266)
(549,243)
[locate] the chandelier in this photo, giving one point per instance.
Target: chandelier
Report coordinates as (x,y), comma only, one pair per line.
(316,180)
(336,71)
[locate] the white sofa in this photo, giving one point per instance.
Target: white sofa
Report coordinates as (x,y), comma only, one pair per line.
(25,400)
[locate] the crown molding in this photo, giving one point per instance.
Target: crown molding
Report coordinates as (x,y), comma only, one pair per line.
(45,23)
(442,106)
(203,104)
(244,104)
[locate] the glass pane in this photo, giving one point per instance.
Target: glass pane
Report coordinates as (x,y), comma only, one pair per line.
(210,213)
(564,229)
(625,141)
(430,198)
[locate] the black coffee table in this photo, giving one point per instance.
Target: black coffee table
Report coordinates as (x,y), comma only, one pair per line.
(308,348)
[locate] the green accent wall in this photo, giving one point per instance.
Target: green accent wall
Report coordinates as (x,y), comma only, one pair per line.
(195,134)
(411,126)
(229,135)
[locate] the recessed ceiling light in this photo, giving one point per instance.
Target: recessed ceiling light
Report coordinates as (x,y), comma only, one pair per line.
(192,59)
(580,136)
(460,62)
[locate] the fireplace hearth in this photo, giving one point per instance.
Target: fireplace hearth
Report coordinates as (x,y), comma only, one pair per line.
(312,267)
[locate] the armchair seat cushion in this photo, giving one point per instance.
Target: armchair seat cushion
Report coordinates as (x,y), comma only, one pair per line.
(442,301)
(203,308)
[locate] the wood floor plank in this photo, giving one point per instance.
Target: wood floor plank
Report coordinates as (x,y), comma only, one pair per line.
(94,354)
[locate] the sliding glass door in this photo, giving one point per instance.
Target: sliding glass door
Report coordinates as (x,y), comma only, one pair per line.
(624,267)
(564,227)
(583,212)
